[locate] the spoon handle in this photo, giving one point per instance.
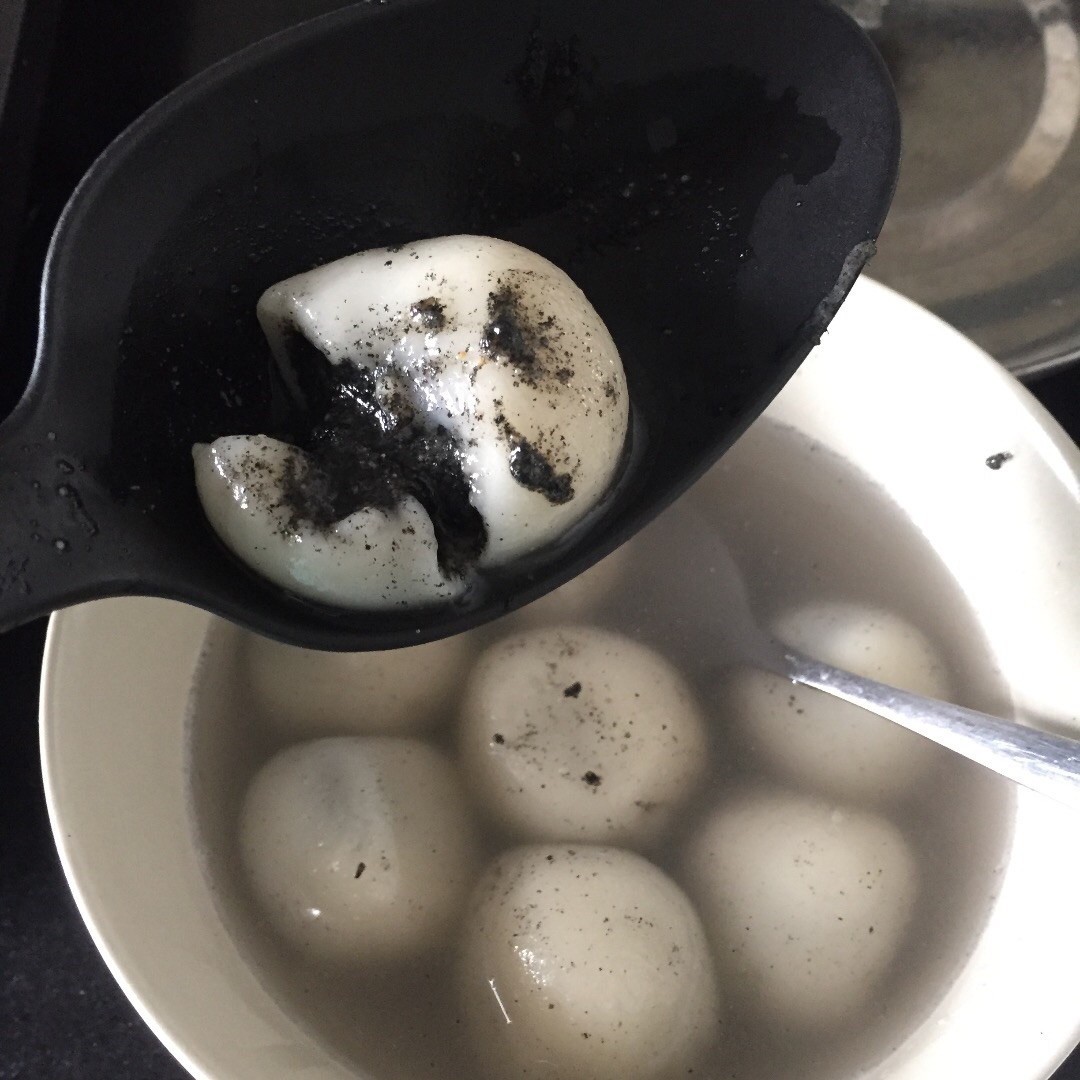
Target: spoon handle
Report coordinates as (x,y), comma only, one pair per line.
(53,514)
(1048,764)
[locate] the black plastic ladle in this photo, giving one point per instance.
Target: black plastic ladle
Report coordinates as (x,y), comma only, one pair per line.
(712,175)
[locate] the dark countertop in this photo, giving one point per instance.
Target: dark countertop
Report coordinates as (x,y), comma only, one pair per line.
(61,1014)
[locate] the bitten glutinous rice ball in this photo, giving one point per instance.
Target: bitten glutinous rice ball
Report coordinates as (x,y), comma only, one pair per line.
(464,405)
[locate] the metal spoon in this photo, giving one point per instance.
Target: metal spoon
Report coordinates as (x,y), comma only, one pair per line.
(709,615)
(711,174)
(1048,764)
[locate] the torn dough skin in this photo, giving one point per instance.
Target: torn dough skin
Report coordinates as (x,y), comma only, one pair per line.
(485,344)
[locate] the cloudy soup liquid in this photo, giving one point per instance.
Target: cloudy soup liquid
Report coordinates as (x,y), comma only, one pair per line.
(803,528)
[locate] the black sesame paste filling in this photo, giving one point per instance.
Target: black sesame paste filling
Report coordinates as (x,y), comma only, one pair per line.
(512,335)
(529,341)
(531,469)
(361,453)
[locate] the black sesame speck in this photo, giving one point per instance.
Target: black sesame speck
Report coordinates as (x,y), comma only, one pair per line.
(430,313)
(509,334)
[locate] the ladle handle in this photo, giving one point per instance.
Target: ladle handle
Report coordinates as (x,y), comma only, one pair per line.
(53,514)
(1048,764)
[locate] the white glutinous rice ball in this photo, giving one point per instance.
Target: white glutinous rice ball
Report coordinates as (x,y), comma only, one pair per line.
(358,850)
(806,903)
(307,693)
(829,746)
(466,403)
(588,963)
(578,733)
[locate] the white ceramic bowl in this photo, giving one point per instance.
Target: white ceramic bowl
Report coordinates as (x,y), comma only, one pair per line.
(892,389)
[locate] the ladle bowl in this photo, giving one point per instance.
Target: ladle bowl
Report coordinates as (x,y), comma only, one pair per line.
(711,174)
